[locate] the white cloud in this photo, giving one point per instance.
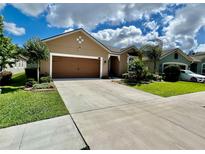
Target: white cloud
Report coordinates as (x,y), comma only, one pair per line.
(125,36)
(183,28)
(167,19)
(31,9)
(200,48)
(68,30)
(152,25)
(2,5)
(12,28)
(89,16)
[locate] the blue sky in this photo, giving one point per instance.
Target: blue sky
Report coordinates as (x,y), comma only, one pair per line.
(119,25)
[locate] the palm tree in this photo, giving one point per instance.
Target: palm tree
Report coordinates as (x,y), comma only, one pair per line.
(139,53)
(36,51)
(136,52)
(153,52)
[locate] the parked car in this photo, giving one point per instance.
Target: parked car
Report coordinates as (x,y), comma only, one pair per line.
(188,75)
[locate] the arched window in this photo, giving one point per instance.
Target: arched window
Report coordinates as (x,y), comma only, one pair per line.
(176,56)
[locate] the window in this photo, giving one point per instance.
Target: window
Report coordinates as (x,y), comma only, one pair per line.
(203,69)
(176,56)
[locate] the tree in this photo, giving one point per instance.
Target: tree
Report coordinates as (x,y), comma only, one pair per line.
(153,52)
(36,51)
(8,52)
(137,71)
(139,54)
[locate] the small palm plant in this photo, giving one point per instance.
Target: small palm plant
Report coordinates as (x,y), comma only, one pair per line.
(36,51)
(153,52)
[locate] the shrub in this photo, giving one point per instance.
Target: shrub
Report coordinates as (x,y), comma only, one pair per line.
(157,77)
(137,71)
(46,79)
(31,73)
(172,73)
(149,77)
(5,77)
(43,86)
(30,82)
(44,74)
(154,77)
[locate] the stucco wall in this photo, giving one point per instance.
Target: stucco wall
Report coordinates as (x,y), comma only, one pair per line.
(123,63)
(69,45)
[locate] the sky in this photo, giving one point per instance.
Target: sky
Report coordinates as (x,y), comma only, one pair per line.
(119,25)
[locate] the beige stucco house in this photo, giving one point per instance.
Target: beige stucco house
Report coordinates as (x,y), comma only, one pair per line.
(78,54)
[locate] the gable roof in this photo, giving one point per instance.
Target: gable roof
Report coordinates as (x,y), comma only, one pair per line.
(74,31)
(110,49)
(179,51)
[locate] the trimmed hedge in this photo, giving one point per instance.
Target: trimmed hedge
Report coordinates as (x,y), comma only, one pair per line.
(30,82)
(43,86)
(45,79)
(5,77)
(172,73)
(31,73)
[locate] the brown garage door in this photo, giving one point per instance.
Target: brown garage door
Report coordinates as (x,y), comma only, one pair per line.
(67,67)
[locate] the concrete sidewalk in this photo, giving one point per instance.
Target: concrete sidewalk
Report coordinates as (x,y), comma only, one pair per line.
(56,133)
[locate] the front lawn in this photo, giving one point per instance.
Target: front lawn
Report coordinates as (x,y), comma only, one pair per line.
(167,89)
(18,106)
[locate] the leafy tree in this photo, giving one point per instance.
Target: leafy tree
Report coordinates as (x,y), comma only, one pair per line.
(8,51)
(153,52)
(36,51)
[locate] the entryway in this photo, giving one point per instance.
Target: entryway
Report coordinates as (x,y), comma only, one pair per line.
(114,66)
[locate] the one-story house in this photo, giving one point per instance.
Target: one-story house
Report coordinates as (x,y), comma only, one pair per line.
(198,64)
(195,63)
(78,54)
(170,57)
(20,63)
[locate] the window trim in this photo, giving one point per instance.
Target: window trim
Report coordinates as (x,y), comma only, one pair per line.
(176,55)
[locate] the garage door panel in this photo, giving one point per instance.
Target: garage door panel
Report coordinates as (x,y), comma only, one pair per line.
(75,67)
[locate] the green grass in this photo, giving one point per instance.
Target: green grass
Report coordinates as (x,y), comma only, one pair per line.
(167,89)
(18,79)
(18,106)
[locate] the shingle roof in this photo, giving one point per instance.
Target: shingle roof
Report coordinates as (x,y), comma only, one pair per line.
(114,49)
(198,56)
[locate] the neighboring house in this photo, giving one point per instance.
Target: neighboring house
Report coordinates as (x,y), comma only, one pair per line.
(78,54)
(198,64)
(195,63)
(19,65)
(170,57)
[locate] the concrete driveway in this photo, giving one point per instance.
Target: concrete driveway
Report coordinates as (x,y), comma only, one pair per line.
(114,116)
